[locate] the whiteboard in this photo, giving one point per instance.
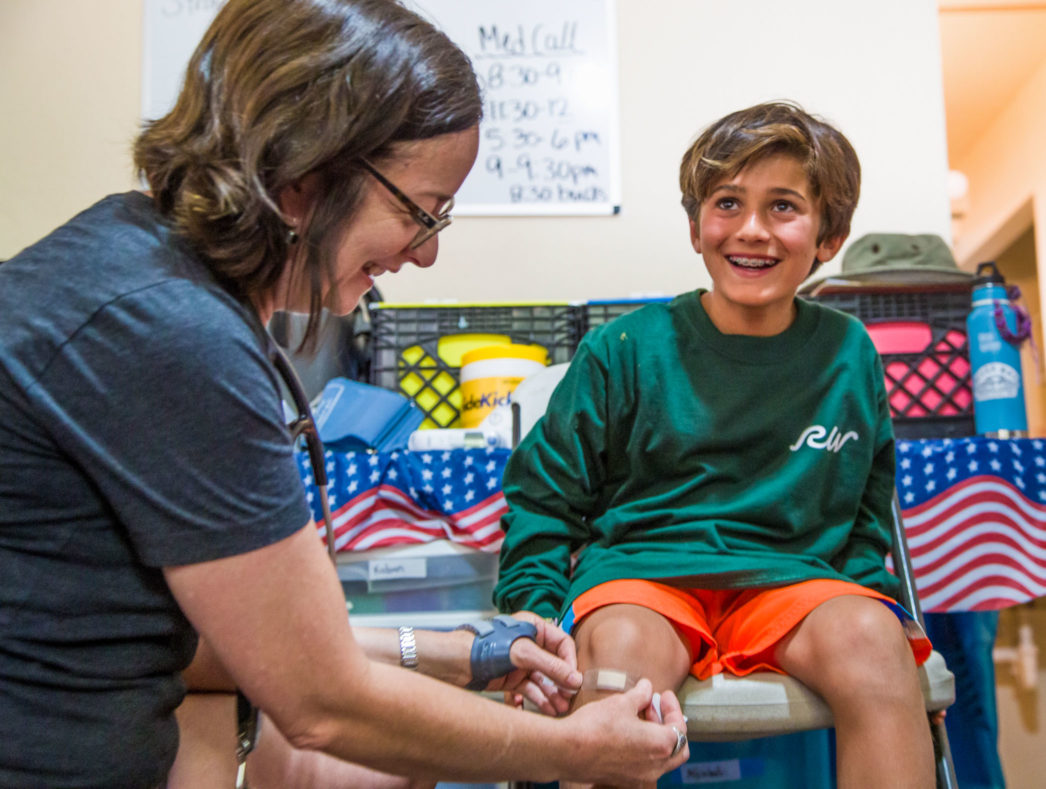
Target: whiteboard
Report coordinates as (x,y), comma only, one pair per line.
(173,28)
(549,139)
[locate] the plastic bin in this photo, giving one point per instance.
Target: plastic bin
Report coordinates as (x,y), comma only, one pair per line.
(921,337)
(407,582)
(596,313)
(803,760)
(417,348)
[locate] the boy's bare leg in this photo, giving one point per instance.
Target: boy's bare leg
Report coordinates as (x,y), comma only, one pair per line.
(852,651)
(632,639)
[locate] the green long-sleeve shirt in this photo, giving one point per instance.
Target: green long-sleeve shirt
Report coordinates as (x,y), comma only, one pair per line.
(673,451)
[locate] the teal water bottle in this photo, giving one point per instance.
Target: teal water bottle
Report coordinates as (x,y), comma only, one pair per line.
(995,329)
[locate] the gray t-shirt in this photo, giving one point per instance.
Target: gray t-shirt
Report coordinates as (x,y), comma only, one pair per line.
(140,427)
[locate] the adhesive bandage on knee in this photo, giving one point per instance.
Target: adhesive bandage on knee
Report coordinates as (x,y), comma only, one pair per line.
(611,679)
(615,680)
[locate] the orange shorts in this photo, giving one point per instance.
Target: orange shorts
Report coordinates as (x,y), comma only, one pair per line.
(736,630)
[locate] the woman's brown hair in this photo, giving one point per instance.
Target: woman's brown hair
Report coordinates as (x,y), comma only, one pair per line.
(279,89)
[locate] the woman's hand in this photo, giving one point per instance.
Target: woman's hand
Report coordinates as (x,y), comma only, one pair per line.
(620,748)
(546,668)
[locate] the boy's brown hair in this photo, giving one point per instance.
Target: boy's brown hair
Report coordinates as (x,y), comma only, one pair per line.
(737,140)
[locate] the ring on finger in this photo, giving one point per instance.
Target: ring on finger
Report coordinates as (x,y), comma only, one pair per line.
(680,740)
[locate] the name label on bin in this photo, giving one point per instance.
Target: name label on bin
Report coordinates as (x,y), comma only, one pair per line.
(389,569)
(711,772)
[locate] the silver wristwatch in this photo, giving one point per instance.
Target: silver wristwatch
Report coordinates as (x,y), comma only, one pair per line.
(408,648)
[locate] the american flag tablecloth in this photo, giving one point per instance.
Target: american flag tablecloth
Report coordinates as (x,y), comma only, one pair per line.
(403,498)
(974,511)
(975,516)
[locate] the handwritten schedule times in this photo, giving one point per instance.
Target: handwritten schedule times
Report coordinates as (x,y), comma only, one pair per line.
(548,140)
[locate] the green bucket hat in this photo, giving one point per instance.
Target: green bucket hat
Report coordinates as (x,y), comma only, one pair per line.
(899,259)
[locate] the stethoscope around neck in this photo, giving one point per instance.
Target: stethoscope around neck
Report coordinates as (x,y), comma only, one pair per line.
(303,426)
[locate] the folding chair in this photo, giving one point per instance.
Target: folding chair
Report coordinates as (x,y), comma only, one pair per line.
(764,704)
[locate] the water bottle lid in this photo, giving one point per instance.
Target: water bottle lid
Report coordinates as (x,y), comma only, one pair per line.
(988,274)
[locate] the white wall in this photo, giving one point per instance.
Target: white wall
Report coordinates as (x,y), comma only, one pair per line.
(873,70)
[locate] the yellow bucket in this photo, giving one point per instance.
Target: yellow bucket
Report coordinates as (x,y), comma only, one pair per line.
(489,374)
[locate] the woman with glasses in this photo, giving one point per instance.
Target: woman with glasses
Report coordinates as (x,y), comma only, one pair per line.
(151,513)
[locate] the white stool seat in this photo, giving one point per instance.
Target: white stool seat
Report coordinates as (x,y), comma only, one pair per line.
(764,704)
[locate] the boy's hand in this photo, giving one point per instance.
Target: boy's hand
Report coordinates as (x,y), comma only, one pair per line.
(546,668)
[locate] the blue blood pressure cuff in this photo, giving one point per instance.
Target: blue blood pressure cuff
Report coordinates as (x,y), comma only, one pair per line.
(490,650)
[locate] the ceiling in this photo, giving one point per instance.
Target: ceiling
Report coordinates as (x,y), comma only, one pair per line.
(988,50)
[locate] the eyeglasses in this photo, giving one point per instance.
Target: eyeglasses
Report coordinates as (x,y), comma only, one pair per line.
(430,224)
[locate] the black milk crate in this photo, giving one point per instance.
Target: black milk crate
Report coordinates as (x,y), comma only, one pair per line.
(417,348)
(596,313)
(921,336)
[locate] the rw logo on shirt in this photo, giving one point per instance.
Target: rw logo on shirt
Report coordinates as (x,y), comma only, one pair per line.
(818,437)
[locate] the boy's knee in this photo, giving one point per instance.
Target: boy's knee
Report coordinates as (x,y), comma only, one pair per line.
(606,634)
(856,653)
(628,636)
(862,633)
(866,641)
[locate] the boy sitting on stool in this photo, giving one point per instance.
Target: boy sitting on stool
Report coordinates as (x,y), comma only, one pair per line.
(724,463)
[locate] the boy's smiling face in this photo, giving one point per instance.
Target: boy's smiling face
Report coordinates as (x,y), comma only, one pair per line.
(757,233)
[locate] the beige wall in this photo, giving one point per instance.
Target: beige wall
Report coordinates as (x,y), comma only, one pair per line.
(1006,169)
(72,112)
(70,109)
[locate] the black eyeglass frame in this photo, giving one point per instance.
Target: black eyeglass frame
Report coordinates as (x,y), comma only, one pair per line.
(430,223)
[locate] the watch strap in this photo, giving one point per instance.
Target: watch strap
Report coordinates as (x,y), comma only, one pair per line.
(408,648)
